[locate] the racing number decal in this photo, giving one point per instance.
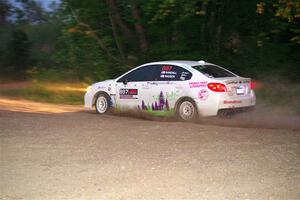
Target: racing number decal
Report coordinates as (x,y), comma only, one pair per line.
(166,68)
(128,93)
(166,72)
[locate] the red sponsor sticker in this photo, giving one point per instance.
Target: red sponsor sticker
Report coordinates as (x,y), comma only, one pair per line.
(132,91)
(166,68)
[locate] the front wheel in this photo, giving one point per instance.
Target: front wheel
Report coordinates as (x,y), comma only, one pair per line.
(187,110)
(102,104)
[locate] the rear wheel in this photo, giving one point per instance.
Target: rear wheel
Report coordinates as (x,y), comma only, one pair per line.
(187,110)
(102,104)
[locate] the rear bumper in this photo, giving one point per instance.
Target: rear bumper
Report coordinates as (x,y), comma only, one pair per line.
(222,102)
(236,103)
(230,111)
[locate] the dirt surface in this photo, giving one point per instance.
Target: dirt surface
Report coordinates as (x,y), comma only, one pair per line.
(81,155)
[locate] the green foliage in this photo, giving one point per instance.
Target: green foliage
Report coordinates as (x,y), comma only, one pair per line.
(95,40)
(285,14)
(18,51)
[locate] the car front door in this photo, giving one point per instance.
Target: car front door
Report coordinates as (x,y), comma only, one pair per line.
(132,89)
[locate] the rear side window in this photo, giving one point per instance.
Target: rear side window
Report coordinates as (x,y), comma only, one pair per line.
(172,73)
(141,74)
(213,71)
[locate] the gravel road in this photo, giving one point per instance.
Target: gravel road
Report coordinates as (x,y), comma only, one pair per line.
(52,154)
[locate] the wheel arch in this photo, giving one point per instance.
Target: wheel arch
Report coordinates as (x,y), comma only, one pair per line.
(99,93)
(182,99)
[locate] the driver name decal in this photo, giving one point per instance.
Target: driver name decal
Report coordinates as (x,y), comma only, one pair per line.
(128,93)
(167,72)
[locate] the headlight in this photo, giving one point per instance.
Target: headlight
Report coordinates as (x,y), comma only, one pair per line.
(88,89)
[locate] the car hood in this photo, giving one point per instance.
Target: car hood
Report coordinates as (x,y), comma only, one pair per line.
(103,84)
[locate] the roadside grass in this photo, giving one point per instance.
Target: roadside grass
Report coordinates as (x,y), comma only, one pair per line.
(274,94)
(62,93)
(169,113)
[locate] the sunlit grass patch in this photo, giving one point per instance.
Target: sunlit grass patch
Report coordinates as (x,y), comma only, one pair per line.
(67,93)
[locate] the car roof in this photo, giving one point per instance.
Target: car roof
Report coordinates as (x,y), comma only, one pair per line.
(186,63)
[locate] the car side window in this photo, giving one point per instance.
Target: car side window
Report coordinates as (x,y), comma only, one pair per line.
(173,73)
(145,73)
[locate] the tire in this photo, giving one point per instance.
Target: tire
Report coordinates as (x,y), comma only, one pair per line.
(102,104)
(187,110)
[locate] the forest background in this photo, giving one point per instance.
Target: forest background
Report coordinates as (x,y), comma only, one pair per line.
(93,40)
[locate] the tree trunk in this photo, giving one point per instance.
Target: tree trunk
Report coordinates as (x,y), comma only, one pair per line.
(139,28)
(218,40)
(116,14)
(116,37)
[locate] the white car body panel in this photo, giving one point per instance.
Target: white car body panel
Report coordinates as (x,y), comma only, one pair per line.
(148,94)
(107,86)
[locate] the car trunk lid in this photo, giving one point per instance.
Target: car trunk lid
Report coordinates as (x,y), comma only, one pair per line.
(237,86)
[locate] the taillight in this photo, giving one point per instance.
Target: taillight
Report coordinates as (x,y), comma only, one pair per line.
(251,85)
(217,87)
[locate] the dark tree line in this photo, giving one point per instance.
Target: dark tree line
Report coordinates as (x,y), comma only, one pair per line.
(98,39)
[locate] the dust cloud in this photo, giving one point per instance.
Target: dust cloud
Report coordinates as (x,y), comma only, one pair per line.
(261,116)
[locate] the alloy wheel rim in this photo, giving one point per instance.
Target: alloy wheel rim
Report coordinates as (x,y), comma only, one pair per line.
(101,104)
(186,110)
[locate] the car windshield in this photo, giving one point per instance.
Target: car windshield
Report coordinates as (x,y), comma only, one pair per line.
(213,71)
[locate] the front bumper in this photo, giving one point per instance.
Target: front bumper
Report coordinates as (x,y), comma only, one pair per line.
(88,101)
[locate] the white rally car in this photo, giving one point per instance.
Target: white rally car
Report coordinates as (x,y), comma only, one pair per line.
(187,88)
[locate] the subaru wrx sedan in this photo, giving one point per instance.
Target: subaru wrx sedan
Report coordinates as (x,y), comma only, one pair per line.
(189,89)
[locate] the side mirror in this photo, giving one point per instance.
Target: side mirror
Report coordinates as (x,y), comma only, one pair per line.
(125,82)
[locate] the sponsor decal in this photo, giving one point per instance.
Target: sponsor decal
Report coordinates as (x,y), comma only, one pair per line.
(183,75)
(237,82)
(198,84)
(172,96)
(167,76)
(160,104)
(128,93)
(169,72)
(203,94)
(232,101)
(164,83)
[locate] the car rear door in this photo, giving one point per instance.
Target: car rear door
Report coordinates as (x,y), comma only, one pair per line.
(169,85)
